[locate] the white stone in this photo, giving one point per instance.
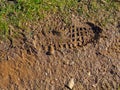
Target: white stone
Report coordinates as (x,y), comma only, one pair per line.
(71,83)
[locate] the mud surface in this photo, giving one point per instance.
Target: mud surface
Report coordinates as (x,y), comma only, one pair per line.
(54,52)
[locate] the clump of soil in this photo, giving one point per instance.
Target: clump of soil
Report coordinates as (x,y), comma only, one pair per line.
(93,61)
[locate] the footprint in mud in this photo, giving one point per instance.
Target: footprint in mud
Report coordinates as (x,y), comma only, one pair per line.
(74,36)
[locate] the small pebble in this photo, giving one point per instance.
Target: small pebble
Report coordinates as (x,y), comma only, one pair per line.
(46,73)
(72,63)
(51,50)
(89,73)
(71,84)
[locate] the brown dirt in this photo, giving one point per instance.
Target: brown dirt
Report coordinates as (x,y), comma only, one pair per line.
(90,55)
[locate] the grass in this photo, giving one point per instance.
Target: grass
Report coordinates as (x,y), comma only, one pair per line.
(100,11)
(24,11)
